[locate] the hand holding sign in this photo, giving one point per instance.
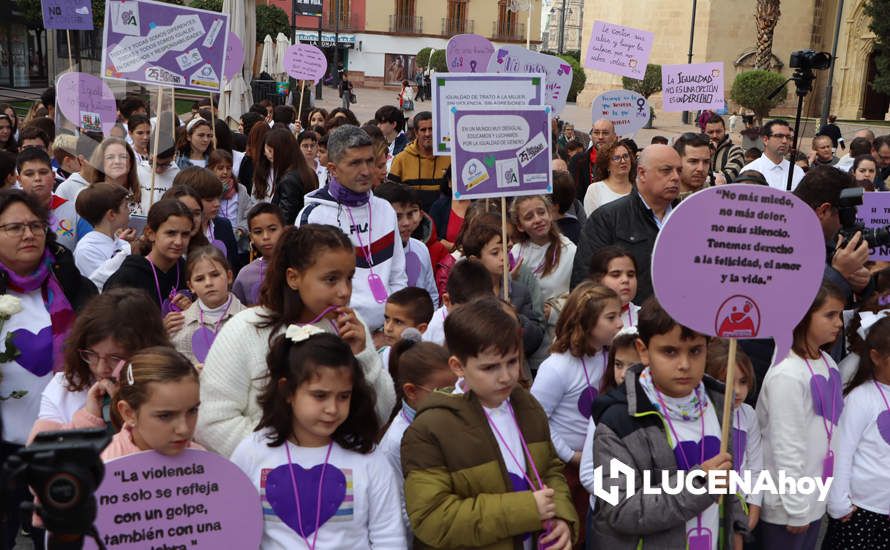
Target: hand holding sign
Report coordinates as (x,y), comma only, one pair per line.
(305,62)
(739,261)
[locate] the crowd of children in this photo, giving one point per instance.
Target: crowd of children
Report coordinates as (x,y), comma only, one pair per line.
(317,316)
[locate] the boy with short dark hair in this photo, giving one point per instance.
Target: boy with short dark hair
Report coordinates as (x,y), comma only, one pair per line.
(102,251)
(410,307)
(468,280)
(36,179)
(480,470)
(409,217)
(666,417)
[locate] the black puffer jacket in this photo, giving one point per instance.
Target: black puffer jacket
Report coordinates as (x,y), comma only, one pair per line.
(626,223)
(289,195)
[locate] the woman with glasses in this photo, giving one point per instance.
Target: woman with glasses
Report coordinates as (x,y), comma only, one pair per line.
(114,161)
(41,292)
(616,165)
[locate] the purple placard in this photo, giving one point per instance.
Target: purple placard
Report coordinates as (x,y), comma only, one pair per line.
(500,152)
(75,15)
(193,500)
(692,87)
(163,44)
(480,90)
(305,62)
(619,50)
(516,59)
(87,102)
(874,213)
(628,111)
(234,56)
(468,53)
(740,261)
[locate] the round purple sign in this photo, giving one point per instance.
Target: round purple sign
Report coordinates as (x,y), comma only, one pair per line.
(468,53)
(740,261)
(86,101)
(194,500)
(305,62)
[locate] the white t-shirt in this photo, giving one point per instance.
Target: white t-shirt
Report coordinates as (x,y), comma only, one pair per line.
(534,255)
(746,443)
(598,194)
(391,447)
(361,487)
(563,390)
(58,403)
(435,330)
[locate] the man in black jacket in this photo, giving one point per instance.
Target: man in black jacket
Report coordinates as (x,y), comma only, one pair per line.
(632,222)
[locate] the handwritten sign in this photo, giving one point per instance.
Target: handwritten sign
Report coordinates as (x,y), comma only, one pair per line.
(874,213)
(478,90)
(740,261)
(194,500)
(305,62)
(692,87)
(234,56)
(86,101)
(468,53)
(619,50)
(67,14)
(628,111)
(500,152)
(516,59)
(163,44)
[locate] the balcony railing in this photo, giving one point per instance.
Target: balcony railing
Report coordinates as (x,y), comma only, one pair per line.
(450,27)
(500,30)
(348,23)
(405,24)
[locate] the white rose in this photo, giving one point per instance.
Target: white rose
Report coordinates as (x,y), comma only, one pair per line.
(9,306)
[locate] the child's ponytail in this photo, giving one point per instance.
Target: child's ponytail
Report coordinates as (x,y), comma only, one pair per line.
(875,331)
(412,361)
(294,359)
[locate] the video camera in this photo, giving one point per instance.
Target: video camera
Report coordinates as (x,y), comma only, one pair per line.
(64,470)
(851,198)
(807,60)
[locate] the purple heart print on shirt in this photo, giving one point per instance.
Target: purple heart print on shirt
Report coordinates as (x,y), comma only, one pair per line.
(884,426)
(280,494)
(519,483)
(585,401)
(36,350)
(412,267)
(692,451)
(824,392)
(739,444)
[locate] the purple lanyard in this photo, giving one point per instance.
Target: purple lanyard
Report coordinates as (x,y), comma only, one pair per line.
(366,251)
(320,316)
(405,416)
(701,417)
(525,450)
(154,272)
(587,376)
(293,481)
(219,321)
(827,424)
(738,440)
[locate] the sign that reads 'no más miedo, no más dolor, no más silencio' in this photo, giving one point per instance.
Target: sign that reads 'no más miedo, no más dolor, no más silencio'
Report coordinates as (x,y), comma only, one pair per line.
(162,44)
(740,261)
(501,152)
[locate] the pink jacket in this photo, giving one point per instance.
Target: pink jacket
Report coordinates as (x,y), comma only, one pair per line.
(122,445)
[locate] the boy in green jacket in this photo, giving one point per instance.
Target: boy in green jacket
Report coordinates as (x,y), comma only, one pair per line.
(480,471)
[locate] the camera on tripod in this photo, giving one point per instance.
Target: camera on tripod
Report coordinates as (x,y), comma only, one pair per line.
(64,470)
(851,198)
(807,60)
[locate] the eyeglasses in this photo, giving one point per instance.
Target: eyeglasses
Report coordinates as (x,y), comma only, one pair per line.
(92,358)
(16,230)
(619,158)
(781,136)
(600,133)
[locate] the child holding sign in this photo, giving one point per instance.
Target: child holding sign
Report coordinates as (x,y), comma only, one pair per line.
(158,401)
(665,417)
(318,416)
(798,409)
(860,492)
(209,277)
(480,470)
(571,378)
(616,268)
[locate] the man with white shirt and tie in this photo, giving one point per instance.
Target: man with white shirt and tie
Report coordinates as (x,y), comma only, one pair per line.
(777,137)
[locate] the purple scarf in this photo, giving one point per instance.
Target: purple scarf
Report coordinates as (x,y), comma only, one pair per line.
(60,311)
(346,196)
